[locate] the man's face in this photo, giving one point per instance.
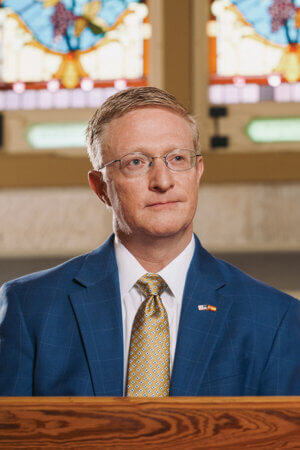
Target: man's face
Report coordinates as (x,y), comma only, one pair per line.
(161,202)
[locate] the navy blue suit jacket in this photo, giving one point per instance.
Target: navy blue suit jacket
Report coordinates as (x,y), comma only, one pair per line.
(61,332)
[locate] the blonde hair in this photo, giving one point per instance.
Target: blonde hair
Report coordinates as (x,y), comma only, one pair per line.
(128,100)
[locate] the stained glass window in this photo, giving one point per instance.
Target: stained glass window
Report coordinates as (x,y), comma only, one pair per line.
(254,51)
(64,53)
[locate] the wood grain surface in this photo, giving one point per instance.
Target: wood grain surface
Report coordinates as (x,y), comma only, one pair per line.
(123,423)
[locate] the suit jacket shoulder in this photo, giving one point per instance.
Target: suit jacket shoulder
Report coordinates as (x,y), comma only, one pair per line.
(248,345)
(63,274)
(48,326)
(246,288)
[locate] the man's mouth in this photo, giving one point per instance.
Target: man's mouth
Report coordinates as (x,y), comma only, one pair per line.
(162,204)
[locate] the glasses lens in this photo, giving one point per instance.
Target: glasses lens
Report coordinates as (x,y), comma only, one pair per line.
(135,163)
(180,159)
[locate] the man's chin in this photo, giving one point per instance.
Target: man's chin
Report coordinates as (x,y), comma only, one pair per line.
(164,231)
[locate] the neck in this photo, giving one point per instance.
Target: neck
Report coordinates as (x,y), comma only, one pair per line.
(154,253)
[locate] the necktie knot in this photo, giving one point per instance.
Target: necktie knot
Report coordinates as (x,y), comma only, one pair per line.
(151,284)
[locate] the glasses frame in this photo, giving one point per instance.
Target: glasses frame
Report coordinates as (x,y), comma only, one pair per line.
(163,157)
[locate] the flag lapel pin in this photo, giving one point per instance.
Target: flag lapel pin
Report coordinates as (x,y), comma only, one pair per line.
(207,308)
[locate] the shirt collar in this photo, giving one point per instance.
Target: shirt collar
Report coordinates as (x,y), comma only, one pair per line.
(174,274)
(130,270)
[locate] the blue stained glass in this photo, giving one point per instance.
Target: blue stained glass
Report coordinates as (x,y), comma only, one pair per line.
(257,13)
(39,19)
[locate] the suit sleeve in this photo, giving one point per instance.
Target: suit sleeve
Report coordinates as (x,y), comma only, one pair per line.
(281,375)
(16,346)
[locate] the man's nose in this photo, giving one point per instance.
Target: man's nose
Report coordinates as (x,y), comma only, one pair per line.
(160,177)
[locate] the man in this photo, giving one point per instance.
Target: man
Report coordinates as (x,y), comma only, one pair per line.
(150,312)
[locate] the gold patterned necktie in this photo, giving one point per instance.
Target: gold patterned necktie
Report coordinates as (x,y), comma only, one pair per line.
(149,353)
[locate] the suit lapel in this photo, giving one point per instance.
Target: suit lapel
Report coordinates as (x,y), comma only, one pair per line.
(97,307)
(199,331)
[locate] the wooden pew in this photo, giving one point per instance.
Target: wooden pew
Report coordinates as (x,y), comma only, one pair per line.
(125,423)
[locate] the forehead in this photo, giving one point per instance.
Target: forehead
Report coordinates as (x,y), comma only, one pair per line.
(148,129)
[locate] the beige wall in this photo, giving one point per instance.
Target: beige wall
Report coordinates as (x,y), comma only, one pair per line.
(69,221)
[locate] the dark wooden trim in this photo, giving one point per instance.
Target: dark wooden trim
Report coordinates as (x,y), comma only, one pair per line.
(177,44)
(52,170)
(252,167)
(43,170)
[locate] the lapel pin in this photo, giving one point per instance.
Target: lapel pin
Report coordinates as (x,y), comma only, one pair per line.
(207,308)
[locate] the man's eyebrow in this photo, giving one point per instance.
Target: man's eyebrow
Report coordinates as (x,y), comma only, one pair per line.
(140,149)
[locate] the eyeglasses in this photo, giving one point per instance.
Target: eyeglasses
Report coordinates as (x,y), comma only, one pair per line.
(134,164)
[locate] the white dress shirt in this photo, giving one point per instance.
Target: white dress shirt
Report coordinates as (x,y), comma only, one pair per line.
(174,274)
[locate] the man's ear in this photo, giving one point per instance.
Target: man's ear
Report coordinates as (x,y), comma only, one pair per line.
(99,186)
(200,168)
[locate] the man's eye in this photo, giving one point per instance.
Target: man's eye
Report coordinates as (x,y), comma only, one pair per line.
(177,158)
(134,163)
